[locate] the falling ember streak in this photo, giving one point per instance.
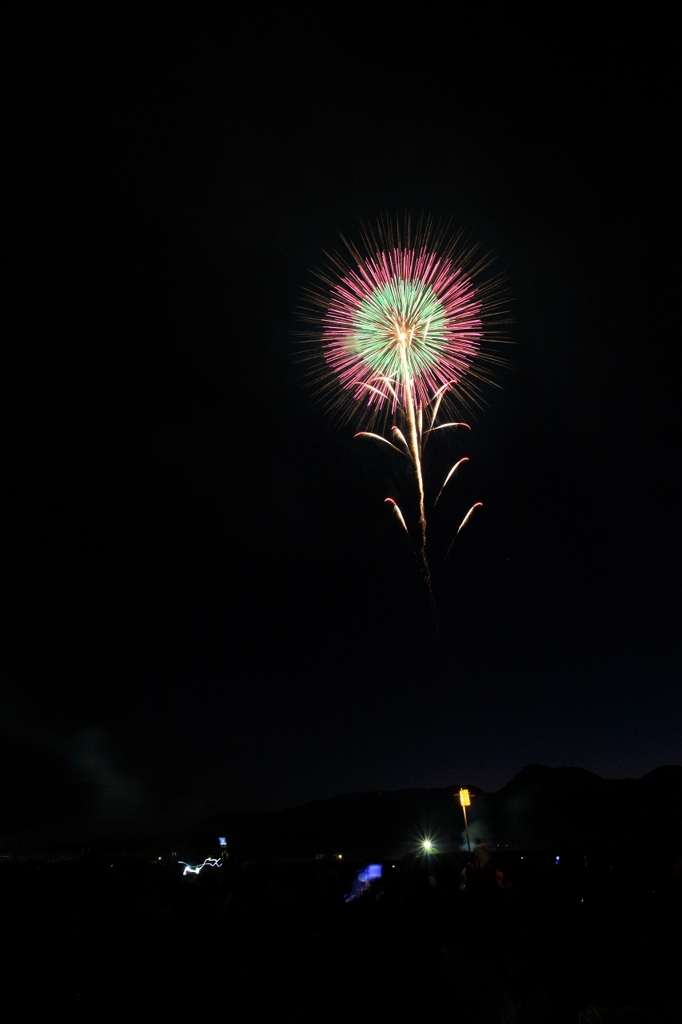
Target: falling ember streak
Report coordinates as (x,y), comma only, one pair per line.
(370,387)
(442,426)
(467,517)
(437,399)
(397,432)
(390,501)
(451,474)
(378,437)
(461,526)
(389,385)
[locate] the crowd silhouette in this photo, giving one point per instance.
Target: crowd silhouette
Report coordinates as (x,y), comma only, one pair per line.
(487,936)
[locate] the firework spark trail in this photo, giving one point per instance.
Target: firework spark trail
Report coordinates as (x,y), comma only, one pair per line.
(478,504)
(389,385)
(466,519)
(450,474)
(442,426)
(397,432)
(416,456)
(437,399)
(393,504)
(370,387)
(377,437)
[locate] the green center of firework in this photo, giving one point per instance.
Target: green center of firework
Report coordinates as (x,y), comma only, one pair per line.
(400,319)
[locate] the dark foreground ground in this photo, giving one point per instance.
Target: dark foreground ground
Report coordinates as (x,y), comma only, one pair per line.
(542,944)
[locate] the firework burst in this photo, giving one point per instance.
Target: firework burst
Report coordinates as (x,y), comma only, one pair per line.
(402,327)
(404,316)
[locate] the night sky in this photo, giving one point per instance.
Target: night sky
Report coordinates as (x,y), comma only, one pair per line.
(206,602)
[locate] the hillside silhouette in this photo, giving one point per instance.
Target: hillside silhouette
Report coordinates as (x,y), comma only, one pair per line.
(540,808)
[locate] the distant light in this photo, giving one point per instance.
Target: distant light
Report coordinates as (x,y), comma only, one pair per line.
(427,846)
(464,798)
(222,840)
(557,859)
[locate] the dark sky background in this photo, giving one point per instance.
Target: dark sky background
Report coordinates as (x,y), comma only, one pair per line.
(206,602)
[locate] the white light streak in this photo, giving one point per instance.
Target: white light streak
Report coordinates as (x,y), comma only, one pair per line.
(194,869)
